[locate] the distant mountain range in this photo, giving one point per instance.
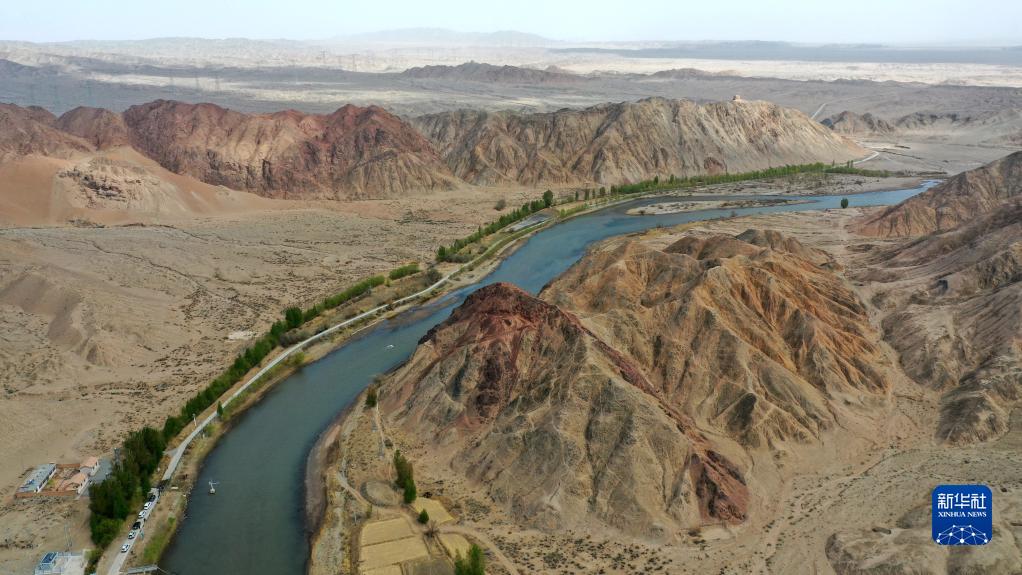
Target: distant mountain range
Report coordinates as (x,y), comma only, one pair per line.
(367,152)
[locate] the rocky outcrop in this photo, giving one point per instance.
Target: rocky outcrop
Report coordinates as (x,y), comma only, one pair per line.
(352,153)
(862,124)
(959,200)
(628,142)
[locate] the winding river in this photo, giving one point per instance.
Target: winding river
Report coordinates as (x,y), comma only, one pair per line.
(255,523)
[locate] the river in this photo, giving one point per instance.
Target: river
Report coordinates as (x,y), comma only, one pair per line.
(255,523)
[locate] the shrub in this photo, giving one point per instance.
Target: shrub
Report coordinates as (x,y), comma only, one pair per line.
(423,517)
(844,202)
(371,396)
(403,271)
(474,564)
(410,492)
(403,470)
(500,205)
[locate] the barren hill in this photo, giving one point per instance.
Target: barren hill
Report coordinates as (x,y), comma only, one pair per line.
(851,123)
(352,153)
(101,128)
(482,72)
(959,200)
(638,408)
(627,142)
(31,131)
(955,319)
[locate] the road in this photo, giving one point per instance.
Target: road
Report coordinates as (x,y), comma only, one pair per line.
(867,158)
(818,110)
(178,452)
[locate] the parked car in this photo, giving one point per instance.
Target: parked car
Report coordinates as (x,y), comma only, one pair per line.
(151,498)
(131,534)
(147,505)
(136,526)
(125,547)
(141,514)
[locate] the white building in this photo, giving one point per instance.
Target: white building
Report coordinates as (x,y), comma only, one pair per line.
(57,563)
(38,478)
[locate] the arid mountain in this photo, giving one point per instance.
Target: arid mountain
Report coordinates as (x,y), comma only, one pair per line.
(101,128)
(628,142)
(481,72)
(960,199)
(956,318)
(628,392)
(761,335)
(367,152)
(864,124)
(31,131)
(352,153)
(556,423)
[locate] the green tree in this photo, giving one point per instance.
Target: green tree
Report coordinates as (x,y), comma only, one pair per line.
(371,397)
(474,564)
(423,517)
(220,409)
(410,492)
(403,470)
(294,317)
(844,202)
(548,198)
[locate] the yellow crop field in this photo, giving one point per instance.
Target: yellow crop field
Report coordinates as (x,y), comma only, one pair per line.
(454,544)
(434,508)
(386,530)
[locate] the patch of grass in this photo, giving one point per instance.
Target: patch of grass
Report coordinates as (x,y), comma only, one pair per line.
(158,542)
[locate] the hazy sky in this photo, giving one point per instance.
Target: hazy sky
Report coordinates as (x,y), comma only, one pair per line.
(888,21)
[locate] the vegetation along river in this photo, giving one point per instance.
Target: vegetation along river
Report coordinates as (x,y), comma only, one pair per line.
(255,523)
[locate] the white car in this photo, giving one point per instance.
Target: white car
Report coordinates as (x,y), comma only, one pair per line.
(147,505)
(141,514)
(131,534)
(125,547)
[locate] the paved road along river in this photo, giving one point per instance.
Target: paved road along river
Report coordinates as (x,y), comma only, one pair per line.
(254,525)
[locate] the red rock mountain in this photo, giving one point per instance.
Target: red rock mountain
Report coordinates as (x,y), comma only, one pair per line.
(101,128)
(352,153)
(31,131)
(633,390)
(959,200)
(628,142)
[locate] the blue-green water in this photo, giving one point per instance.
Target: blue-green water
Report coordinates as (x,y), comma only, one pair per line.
(255,523)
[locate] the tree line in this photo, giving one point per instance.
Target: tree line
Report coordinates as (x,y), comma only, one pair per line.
(112,500)
(673,182)
(450,253)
